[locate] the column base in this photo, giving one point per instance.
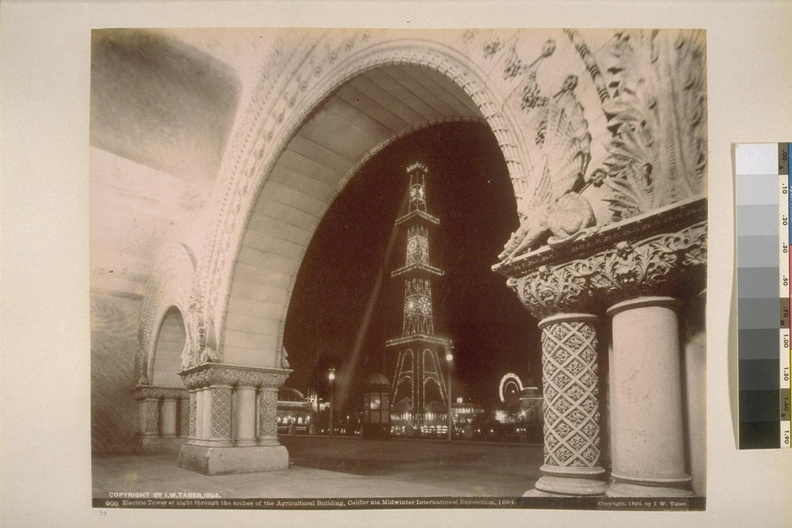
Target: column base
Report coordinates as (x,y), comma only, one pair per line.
(226,460)
(572,481)
(677,487)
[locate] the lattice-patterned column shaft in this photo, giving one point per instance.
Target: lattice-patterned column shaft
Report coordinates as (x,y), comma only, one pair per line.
(267,416)
(220,415)
(571,398)
(149,418)
(193,425)
(647,424)
(184,416)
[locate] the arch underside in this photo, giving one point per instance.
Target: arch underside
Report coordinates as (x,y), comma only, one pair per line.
(168,350)
(357,120)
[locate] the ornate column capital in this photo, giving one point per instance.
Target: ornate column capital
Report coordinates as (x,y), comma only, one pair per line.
(641,256)
(210,374)
(552,290)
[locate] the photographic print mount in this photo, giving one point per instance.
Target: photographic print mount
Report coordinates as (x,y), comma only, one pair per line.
(219,158)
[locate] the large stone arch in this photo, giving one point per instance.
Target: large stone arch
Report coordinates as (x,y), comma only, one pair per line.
(228,284)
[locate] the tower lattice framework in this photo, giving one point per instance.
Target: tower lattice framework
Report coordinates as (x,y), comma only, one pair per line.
(418,377)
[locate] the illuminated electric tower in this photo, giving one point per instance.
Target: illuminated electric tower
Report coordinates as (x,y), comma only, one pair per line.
(418,378)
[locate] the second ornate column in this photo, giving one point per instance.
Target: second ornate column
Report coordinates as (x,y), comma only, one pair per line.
(646,400)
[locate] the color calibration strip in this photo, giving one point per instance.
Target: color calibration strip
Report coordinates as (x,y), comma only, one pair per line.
(763,292)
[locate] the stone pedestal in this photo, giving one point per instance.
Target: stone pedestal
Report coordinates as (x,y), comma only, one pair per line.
(228,460)
(647,429)
(226,394)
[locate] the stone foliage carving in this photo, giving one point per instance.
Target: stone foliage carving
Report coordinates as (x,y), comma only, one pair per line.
(658,115)
(653,94)
(569,364)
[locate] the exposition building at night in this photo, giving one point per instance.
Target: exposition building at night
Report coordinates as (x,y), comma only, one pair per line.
(217,154)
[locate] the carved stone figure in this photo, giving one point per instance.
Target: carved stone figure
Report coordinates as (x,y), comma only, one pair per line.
(556,208)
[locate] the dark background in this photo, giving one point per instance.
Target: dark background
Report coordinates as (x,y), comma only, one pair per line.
(345,305)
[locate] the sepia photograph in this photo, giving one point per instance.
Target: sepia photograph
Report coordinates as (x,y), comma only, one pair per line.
(351,268)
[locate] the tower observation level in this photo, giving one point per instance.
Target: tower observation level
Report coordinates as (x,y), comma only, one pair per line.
(418,393)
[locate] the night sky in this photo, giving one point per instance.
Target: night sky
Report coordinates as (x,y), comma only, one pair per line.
(345,305)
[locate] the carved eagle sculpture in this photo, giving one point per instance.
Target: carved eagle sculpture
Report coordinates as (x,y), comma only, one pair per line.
(554,206)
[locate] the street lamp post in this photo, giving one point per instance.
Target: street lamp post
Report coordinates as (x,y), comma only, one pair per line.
(450,358)
(331,376)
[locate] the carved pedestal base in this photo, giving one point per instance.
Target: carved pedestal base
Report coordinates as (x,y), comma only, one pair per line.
(224,437)
(227,460)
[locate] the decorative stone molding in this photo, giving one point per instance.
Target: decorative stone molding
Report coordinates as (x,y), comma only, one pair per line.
(614,264)
(210,374)
(657,113)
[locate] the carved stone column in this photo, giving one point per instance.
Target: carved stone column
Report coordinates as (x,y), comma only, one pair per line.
(204,416)
(268,414)
(184,416)
(646,400)
(149,402)
(215,410)
(569,380)
(194,435)
(158,418)
(168,414)
(246,416)
(219,415)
